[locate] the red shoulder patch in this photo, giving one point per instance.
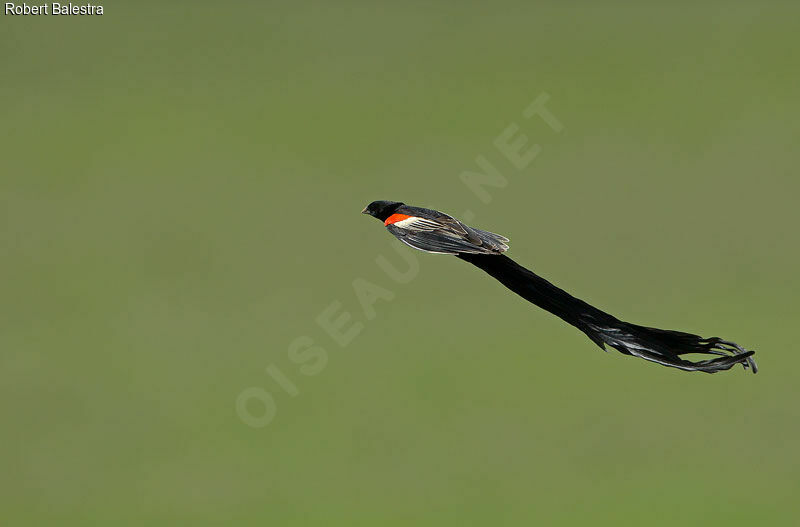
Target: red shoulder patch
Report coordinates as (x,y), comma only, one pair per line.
(394,218)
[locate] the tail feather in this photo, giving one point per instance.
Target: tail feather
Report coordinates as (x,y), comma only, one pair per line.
(657,345)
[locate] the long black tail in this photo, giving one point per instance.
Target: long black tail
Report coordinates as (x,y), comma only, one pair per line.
(657,345)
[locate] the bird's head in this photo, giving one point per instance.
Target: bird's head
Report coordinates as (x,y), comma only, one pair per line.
(381,209)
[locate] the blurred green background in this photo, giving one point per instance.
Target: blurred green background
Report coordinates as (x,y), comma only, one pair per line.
(180,195)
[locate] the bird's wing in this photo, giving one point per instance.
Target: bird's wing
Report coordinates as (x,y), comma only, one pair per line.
(445,235)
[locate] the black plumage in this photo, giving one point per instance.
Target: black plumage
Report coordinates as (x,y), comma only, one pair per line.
(657,345)
(433,231)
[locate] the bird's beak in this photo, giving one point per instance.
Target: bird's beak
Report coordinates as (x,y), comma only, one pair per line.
(364,211)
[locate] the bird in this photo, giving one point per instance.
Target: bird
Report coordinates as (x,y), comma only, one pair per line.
(439,233)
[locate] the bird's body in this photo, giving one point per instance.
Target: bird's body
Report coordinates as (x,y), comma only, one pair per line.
(436,232)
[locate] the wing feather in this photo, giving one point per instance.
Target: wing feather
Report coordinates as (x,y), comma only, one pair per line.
(431,236)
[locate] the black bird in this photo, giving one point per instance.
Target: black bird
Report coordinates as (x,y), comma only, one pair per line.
(436,232)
